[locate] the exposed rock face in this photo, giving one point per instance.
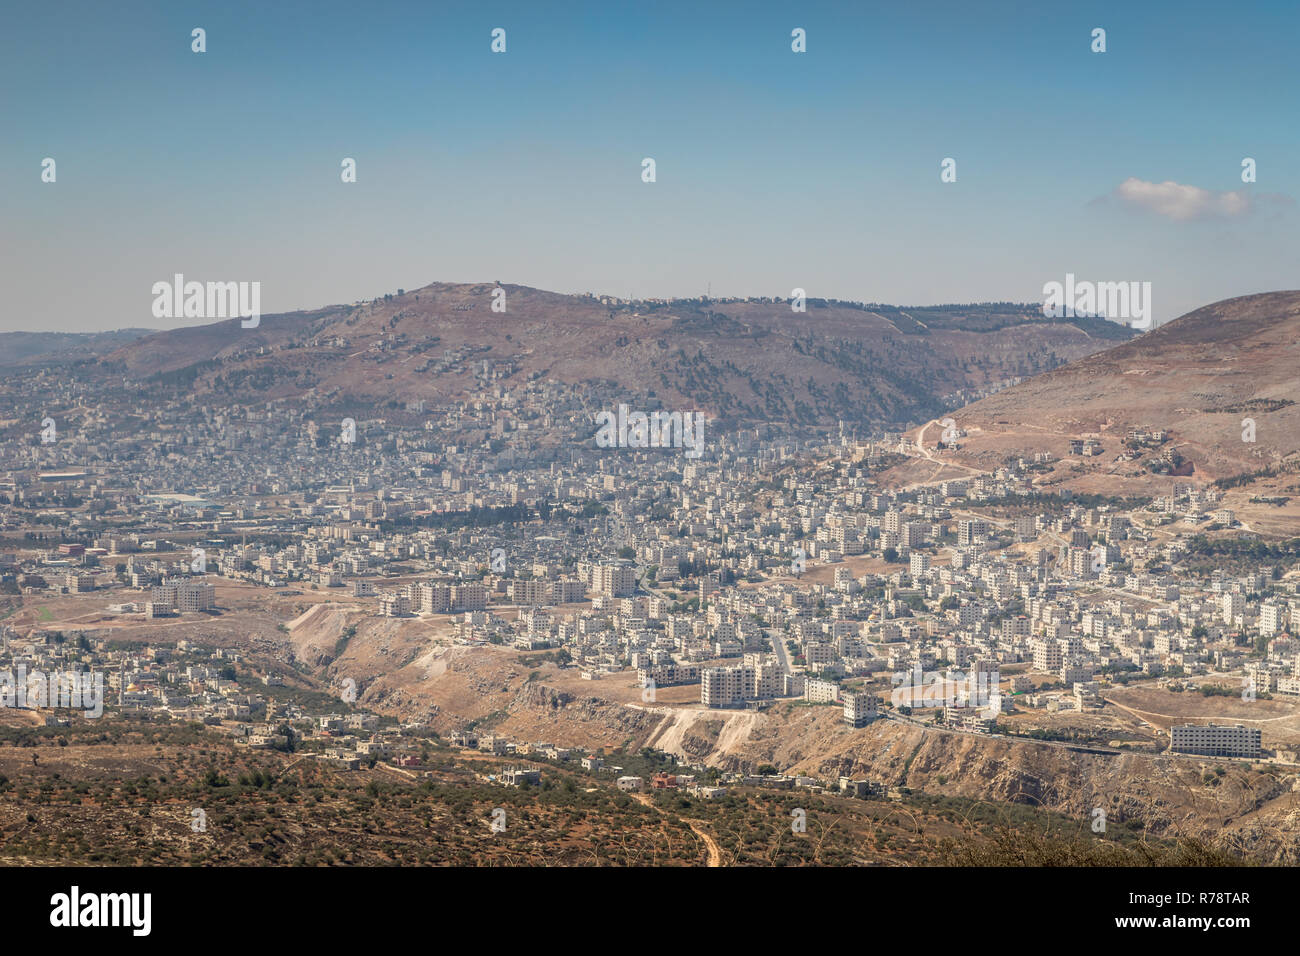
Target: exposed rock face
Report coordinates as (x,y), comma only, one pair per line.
(450,687)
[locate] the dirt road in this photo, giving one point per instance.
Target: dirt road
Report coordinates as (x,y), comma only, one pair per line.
(710,844)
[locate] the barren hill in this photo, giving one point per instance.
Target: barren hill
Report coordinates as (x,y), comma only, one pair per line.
(1203,379)
(750,360)
(37,348)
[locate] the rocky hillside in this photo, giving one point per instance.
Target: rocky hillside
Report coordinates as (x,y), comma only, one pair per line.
(1199,378)
(739,361)
(525,697)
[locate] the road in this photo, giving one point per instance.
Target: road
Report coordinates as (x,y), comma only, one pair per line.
(710,844)
(925,453)
(778,648)
(642,580)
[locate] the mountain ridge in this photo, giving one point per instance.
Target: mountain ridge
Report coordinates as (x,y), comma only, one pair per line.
(741,360)
(1211,397)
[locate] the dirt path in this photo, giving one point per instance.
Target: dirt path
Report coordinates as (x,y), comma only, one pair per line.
(710,844)
(940,464)
(1141,715)
(715,853)
(1174,718)
(291,764)
(398,770)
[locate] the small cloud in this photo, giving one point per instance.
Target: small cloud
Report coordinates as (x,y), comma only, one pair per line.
(1183,203)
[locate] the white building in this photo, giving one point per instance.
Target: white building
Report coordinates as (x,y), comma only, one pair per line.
(1214,740)
(860,709)
(818,691)
(725,686)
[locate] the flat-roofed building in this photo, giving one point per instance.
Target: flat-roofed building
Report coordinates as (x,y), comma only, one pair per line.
(819,691)
(469,596)
(1047,656)
(185,594)
(1215,740)
(725,686)
(613,580)
(860,708)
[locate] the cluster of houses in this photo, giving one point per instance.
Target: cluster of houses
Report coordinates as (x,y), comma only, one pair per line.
(501,510)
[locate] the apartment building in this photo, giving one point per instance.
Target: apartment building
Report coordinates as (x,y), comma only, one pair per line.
(470,596)
(725,686)
(1232,606)
(1214,740)
(79,583)
(613,580)
(667,675)
(1273,618)
(431,598)
(818,691)
(860,708)
(186,594)
(1047,656)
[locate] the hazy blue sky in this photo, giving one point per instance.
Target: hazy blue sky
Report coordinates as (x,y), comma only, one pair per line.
(775,169)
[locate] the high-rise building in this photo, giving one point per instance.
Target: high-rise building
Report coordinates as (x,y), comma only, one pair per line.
(1232,606)
(1047,656)
(185,594)
(613,580)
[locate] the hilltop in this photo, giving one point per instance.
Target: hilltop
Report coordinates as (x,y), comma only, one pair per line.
(41,348)
(752,360)
(1177,403)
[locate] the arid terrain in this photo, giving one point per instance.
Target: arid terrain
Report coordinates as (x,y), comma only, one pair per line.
(1221,382)
(739,361)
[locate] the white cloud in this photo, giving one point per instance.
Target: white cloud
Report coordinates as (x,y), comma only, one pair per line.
(1182,203)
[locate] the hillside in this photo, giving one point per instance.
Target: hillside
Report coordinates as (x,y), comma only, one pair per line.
(1198,379)
(1252,808)
(139,793)
(32,348)
(740,361)
(527,698)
